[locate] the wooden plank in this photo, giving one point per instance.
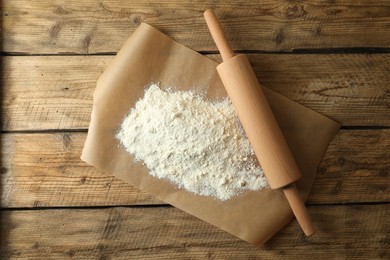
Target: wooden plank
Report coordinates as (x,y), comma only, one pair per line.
(56,92)
(355,168)
(49,92)
(44,170)
(354,232)
(94,27)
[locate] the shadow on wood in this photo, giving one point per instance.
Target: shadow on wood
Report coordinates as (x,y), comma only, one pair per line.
(3,232)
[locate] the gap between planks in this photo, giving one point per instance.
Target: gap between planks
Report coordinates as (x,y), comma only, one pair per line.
(352,50)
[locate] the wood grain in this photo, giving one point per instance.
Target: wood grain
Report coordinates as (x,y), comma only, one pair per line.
(343,232)
(47,100)
(44,170)
(49,92)
(94,26)
(56,93)
(355,168)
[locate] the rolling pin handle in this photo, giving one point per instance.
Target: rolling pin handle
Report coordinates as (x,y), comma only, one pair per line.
(218,35)
(298,207)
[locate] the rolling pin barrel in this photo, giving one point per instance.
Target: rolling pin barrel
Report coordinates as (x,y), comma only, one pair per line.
(259,123)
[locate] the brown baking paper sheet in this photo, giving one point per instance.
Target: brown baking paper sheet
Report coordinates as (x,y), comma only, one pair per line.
(150,56)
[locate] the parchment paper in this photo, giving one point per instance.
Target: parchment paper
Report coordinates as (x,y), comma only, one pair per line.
(150,56)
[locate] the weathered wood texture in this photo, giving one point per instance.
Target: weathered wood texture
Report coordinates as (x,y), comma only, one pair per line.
(49,92)
(44,170)
(355,168)
(53,93)
(95,26)
(343,232)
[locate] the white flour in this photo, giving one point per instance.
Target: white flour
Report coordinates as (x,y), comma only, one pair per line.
(195,144)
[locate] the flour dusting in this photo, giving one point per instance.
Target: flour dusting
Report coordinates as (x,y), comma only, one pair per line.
(193,143)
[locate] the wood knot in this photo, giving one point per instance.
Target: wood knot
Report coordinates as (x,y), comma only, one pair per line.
(318,31)
(55,30)
(341,161)
(333,11)
(322,170)
(83,179)
(86,43)
(136,20)
(279,38)
(60,10)
(294,11)
(337,187)
(66,140)
(35,246)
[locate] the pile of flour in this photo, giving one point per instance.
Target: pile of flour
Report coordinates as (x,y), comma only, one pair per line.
(196,144)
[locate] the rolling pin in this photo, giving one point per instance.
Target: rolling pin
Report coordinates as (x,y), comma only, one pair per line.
(259,123)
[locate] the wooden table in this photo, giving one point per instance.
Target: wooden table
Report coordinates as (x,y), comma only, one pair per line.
(331,56)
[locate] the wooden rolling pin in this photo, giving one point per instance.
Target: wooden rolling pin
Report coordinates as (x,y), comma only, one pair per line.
(259,123)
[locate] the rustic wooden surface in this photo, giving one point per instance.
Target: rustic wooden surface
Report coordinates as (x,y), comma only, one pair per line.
(331,56)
